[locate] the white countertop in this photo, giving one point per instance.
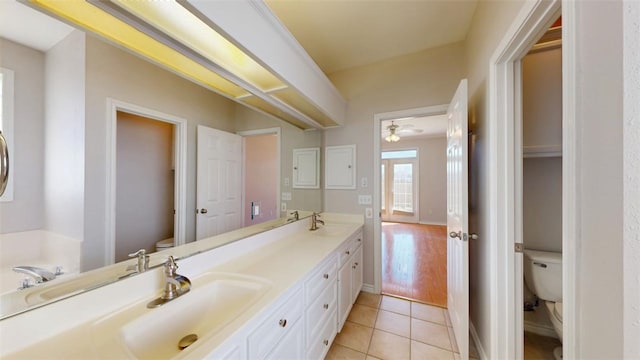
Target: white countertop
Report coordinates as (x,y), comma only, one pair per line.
(67,329)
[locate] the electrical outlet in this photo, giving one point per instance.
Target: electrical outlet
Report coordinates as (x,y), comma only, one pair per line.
(364,182)
(283,207)
(286,181)
(368,213)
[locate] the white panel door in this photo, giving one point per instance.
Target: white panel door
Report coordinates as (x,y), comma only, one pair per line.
(458,219)
(219,182)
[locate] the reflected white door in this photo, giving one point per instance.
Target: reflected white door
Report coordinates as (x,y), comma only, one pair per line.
(458,219)
(219,182)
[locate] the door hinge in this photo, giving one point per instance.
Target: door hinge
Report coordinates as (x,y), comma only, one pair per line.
(519,247)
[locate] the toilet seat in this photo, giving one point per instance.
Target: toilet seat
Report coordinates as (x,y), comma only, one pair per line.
(554,309)
(164,244)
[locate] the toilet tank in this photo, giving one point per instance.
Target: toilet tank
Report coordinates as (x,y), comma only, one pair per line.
(543,274)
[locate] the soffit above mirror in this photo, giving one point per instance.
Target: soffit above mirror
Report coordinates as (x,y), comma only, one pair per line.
(261,66)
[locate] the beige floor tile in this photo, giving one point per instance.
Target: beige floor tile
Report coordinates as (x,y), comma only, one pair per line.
(388,346)
(430,333)
(369,357)
(421,351)
(394,323)
(428,312)
(396,305)
(447,319)
(363,315)
(452,338)
(369,299)
(354,336)
(339,352)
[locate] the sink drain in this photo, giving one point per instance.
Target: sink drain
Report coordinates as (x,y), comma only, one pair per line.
(186,341)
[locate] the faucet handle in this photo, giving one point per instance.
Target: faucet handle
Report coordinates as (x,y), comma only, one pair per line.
(170,266)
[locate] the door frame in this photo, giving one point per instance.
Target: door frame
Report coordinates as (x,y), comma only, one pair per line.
(180,158)
(266,131)
(377,222)
(505,176)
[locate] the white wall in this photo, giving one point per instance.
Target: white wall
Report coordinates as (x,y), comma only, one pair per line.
(598,115)
(422,79)
(64,137)
(26,211)
(489,24)
(542,203)
(432,166)
(144,184)
(631,131)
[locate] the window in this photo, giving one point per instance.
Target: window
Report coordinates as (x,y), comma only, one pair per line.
(6,124)
(399,190)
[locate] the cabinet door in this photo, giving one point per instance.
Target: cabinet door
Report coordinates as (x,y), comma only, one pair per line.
(306,168)
(344,293)
(356,279)
(291,346)
(340,167)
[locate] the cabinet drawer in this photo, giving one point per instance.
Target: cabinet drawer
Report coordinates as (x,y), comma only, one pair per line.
(318,346)
(275,327)
(321,278)
(321,307)
(344,252)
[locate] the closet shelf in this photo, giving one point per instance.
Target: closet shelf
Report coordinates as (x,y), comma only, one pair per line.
(542,151)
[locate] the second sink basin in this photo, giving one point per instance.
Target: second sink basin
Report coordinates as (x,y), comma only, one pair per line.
(214,301)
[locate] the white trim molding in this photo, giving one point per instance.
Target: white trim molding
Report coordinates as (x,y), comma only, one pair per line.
(180,190)
(505,157)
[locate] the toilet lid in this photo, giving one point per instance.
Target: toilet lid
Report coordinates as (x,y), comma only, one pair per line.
(166,243)
(557,310)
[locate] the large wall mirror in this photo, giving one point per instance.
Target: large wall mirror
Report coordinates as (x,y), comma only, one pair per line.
(107,149)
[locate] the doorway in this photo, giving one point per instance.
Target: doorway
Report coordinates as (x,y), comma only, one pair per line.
(145,182)
(413,239)
(261,174)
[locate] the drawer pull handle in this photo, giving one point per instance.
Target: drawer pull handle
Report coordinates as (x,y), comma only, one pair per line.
(326,343)
(347,252)
(354,267)
(325,306)
(283,322)
(326,276)
(356,264)
(359,239)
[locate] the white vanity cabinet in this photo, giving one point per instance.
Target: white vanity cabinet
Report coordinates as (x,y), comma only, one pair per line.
(279,336)
(349,276)
(321,294)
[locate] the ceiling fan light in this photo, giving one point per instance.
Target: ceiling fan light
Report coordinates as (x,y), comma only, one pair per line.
(392,138)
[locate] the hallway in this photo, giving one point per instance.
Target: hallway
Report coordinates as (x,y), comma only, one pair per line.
(414,262)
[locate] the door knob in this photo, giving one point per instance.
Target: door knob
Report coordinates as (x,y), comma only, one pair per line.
(454,234)
(203,211)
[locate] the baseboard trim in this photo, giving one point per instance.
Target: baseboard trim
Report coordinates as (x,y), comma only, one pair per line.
(540,329)
(368,288)
(476,341)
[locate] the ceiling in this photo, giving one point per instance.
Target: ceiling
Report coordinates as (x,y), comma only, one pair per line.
(417,127)
(341,34)
(23,25)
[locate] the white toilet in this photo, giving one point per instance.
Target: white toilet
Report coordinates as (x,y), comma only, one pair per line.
(164,244)
(543,276)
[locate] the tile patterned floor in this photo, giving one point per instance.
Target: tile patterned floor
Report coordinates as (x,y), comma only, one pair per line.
(387,328)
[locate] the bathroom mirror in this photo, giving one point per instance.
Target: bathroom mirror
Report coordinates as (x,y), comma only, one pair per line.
(64,93)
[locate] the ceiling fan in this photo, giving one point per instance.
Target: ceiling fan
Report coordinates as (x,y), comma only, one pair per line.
(396,130)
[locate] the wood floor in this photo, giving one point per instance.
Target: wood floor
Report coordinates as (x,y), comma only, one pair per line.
(414,262)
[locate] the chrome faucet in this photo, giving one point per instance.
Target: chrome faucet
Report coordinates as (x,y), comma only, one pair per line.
(38,275)
(175,285)
(314,221)
(143,261)
(296,216)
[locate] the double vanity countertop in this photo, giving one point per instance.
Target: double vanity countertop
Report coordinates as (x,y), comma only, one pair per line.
(232,288)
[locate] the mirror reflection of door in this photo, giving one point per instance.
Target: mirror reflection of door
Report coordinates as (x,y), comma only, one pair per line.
(399,186)
(144,184)
(219,182)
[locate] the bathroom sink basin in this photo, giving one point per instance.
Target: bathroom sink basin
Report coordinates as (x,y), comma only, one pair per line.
(215,300)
